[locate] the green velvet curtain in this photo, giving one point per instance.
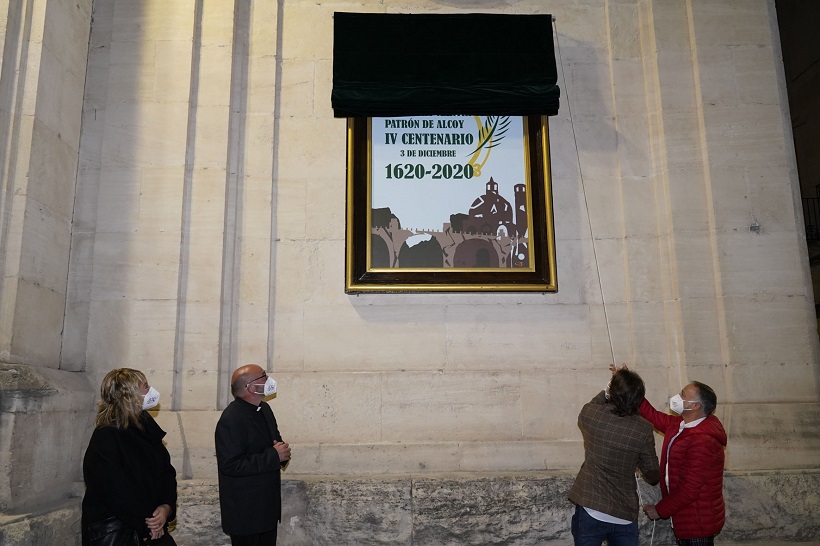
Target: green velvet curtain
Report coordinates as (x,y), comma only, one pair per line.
(452,64)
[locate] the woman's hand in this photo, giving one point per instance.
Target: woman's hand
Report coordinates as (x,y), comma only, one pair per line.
(156,523)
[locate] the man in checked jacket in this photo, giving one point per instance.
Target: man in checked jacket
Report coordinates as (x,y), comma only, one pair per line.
(617,442)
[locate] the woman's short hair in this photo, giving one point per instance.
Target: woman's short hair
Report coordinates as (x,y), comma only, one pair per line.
(121,398)
(626,392)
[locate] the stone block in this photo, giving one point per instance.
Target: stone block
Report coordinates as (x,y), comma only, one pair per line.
(41,406)
(310,147)
(322,88)
(258,159)
(304,18)
(53,161)
(754,261)
(90,155)
(486,336)
(256,209)
(771,197)
(141,265)
(202,268)
(345,408)
(624,31)
(550,402)
(54,525)
(731,23)
(634,151)
(214,89)
(652,344)
(590,86)
(109,328)
(756,74)
(152,339)
(132,138)
(160,199)
(604,208)
(580,31)
(262,74)
(645,276)
(612,268)
(118,196)
(289,214)
(135,22)
(130,76)
(172,70)
(702,327)
(692,266)
(45,247)
(428,406)
(745,136)
(66,30)
(373,337)
(75,335)
(298,80)
(217,25)
(212,120)
(197,443)
(765,435)
(288,338)
(325,210)
(577,273)
(38,324)
(64,114)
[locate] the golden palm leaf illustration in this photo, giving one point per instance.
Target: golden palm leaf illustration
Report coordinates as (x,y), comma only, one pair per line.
(490,133)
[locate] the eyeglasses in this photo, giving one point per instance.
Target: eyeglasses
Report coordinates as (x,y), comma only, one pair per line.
(265,375)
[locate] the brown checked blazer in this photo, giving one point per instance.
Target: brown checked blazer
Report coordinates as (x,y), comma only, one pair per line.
(614,447)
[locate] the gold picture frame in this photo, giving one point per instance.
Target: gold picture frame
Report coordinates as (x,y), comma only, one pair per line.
(429,165)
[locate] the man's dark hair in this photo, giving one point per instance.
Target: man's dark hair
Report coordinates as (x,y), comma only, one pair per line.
(708,398)
(626,392)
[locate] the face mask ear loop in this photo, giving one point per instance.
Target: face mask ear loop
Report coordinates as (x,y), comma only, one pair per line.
(640,502)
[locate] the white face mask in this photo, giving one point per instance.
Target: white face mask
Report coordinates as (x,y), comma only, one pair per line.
(676,404)
(268,388)
(151,399)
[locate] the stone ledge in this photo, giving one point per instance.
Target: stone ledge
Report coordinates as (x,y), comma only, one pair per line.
(776,507)
(482,509)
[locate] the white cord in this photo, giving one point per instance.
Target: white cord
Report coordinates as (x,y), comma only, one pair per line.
(640,505)
(584,192)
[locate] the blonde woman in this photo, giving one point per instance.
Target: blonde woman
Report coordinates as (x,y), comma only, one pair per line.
(131,487)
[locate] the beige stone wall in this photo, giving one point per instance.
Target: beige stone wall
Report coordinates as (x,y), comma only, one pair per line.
(209,232)
(44,47)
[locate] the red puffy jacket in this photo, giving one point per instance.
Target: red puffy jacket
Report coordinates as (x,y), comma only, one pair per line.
(694,496)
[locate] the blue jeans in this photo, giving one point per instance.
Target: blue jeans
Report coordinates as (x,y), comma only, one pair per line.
(589,531)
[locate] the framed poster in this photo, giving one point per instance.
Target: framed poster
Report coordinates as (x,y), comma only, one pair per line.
(449,204)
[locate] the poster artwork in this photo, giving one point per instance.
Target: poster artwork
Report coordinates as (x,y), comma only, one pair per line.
(449,192)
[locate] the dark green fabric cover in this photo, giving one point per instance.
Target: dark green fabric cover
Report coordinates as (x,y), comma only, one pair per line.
(451,64)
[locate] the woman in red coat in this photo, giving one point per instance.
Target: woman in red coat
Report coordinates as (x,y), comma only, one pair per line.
(691,465)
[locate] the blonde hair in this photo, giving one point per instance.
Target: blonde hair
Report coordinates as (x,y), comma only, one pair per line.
(121,398)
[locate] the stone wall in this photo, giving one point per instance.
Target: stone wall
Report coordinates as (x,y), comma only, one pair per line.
(519,509)
(210,233)
(182,211)
(522,509)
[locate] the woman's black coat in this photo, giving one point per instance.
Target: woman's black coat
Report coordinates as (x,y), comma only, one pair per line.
(128,474)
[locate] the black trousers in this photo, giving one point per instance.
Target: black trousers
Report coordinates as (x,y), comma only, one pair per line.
(262,539)
(705,541)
